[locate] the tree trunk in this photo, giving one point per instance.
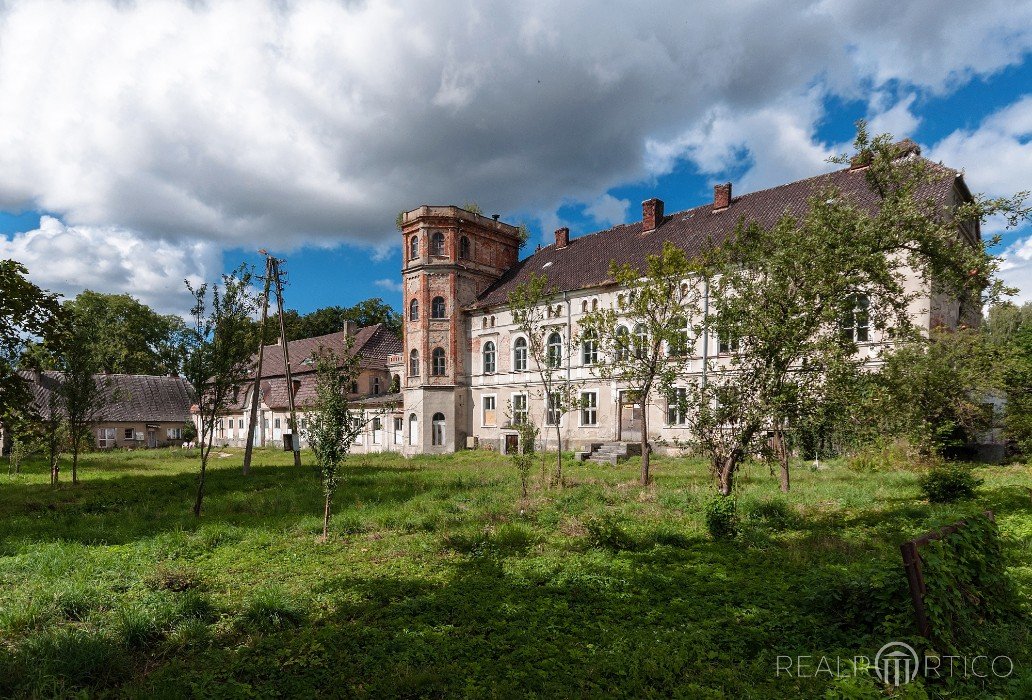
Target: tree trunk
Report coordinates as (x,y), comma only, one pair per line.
(559,455)
(55,471)
(781,452)
(725,469)
(75,462)
(326,517)
(200,487)
(646,476)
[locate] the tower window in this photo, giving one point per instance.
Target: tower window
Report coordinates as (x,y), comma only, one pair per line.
(437,366)
(489,357)
(413,310)
(464,248)
(414,248)
(437,309)
(414,363)
(437,244)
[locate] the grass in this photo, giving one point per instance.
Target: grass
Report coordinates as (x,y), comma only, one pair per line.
(439,580)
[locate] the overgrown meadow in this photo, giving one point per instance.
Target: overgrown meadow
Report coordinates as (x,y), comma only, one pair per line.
(439,580)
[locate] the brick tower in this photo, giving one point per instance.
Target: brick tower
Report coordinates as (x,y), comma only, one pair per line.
(451,256)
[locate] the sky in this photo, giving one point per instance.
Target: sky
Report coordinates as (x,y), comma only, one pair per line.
(144,143)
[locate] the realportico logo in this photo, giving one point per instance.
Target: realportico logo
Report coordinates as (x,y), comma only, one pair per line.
(896,664)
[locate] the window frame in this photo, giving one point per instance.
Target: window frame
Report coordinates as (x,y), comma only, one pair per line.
(438,245)
(414,309)
(437,356)
(589,348)
(438,308)
(414,365)
(414,247)
(586,409)
(490,357)
(520,360)
(493,400)
(554,350)
(520,415)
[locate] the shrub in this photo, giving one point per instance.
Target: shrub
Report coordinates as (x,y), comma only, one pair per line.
(607,532)
(722,517)
(948,483)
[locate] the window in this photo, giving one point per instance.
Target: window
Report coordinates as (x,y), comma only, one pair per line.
(623,343)
(105,437)
(265,423)
(855,324)
(589,408)
(489,410)
(175,433)
(437,244)
(519,355)
(354,389)
(413,310)
(377,431)
(589,348)
(489,357)
(676,405)
(728,342)
(413,248)
(464,248)
(437,429)
(677,343)
(437,363)
(376,386)
(399,426)
(413,429)
(437,309)
(128,433)
(413,369)
(240,423)
(554,351)
(584,306)
(553,415)
(276,424)
(641,341)
(395,384)
(519,409)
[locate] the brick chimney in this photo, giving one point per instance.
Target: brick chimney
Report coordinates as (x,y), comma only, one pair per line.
(562,237)
(651,214)
(721,196)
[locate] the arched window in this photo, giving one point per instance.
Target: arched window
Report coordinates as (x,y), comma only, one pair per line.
(413,248)
(396,386)
(437,309)
(589,347)
(437,429)
(594,304)
(623,343)
(437,244)
(641,341)
(413,310)
(677,340)
(554,350)
(413,429)
(464,248)
(584,306)
(413,368)
(519,355)
(856,322)
(437,366)
(489,357)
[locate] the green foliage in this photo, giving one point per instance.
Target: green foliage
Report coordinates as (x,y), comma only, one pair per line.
(609,532)
(948,483)
(966,584)
(271,608)
(332,319)
(523,457)
(722,517)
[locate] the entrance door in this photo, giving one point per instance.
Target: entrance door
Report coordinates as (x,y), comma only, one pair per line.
(630,418)
(152,440)
(512,442)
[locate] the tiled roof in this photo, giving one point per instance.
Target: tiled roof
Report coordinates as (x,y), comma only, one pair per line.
(585,262)
(274,393)
(373,344)
(134,398)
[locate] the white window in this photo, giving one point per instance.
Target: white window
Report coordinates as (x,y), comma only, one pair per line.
(554,352)
(553,415)
(589,348)
(519,409)
(399,426)
(519,355)
(129,434)
(489,357)
(855,324)
(240,423)
(677,343)
(437,429)
(377,431)
(105,437)
(589,408)
(641,341)
(623,343)
(276,424)
(676,405)
(437,243)
(175,433)
(413,428)
(489,411)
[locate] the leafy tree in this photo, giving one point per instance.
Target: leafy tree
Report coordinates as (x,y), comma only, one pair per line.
(523,457)
(218,353)
(82,392)
(645,341)
(533,315)
(332,319)
(333,425)
(26,312)
(792,296)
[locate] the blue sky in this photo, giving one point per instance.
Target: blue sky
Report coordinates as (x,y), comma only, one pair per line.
(140,145)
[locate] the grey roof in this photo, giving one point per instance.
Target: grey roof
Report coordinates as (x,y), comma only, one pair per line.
(133,398)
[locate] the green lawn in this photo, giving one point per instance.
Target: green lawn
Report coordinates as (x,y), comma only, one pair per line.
(441,581)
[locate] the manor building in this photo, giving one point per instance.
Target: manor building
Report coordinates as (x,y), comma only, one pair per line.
(465,370)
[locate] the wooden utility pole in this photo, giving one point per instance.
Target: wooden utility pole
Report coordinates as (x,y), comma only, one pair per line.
(256,393)
(295,438)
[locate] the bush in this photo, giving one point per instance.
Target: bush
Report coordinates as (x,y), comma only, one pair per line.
(948,483)
(607,532)
(722,517)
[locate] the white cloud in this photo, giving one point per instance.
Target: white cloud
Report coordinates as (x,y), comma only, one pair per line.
(68,259)
(390,285)
(607,210)
(276,124)
(1016,268)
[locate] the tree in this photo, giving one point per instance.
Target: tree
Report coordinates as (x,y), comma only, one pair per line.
(218,353)
(535,317)
(26,312)
(82,391)
(333,425)
(645,340)
(794,300)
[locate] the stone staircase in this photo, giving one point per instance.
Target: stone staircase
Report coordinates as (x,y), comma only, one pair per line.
(609,452)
